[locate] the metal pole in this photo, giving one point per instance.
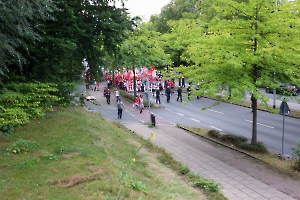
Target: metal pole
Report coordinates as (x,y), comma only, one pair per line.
(274,92)
(149,96)
(283,128)
(274,98)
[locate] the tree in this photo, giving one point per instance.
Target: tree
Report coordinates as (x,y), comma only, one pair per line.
(175,10)
(82,29)
(179,38)
(20,25)
(76,33)
(143,48)
(242,48)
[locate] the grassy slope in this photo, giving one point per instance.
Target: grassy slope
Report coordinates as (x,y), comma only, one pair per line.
(82,156)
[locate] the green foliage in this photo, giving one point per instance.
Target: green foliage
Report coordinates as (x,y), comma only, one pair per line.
(21,102)
(173,11)
(167,159)
(20,25)
(208,185)
(6,130)
(296,164)
(50,156)
(22,146)
(297,150)
(143,48)
(214,134)
(138,185)
(258,147)
(241,48)
(64,91)
(184,169)
(238,141)
(234,139)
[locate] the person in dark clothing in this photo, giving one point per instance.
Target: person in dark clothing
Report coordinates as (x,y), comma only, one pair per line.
(188,89)
(142,88)
(120,108)
(157,93)
(168,94)
(107,95)
(161,88)
(179,94)
(182,82)
(108,83)
(252,99)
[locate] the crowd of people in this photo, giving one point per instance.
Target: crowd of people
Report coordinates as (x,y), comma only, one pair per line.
(125,81)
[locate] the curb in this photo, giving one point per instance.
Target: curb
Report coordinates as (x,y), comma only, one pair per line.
(217,142)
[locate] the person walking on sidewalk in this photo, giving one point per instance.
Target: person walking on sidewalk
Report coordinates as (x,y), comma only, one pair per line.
(136,103)
(179,94)
(157,93)
(141,103)
(120,108)
(161,88)
(107,95)
(117,95)
(168,94)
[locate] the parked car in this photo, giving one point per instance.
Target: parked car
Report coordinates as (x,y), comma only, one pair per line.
(284,89)
(90,98)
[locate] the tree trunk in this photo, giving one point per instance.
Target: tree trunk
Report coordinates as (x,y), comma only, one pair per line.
(254,121)
(134,82)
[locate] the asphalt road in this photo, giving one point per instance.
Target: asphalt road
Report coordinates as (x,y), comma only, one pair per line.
(227,118)
(233,119)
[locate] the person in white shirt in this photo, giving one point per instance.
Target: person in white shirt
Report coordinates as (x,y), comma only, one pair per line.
(117,95)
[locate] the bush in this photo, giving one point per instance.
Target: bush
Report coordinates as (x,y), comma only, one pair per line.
(234,139)
(23,101)
(296,163)
(259,147)
(214,134)
(184,169)
(131,98)
(208,185)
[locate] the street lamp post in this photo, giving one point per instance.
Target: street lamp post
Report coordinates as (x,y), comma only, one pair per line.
(274,94)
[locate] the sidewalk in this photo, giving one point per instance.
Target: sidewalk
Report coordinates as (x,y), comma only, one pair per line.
(241,177)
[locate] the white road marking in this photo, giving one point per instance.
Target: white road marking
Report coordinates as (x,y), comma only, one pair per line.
(215,128)
(180,114)
(195,120)
(215,111)
(133,115)
(259,124)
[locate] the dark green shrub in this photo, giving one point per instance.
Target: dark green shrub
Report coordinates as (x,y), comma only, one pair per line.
(184,169)
(234,139)
(214,134)
(6,130)
(259,147)
(64,91)
(128,96)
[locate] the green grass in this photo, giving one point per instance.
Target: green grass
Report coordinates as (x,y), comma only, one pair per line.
(76,154)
